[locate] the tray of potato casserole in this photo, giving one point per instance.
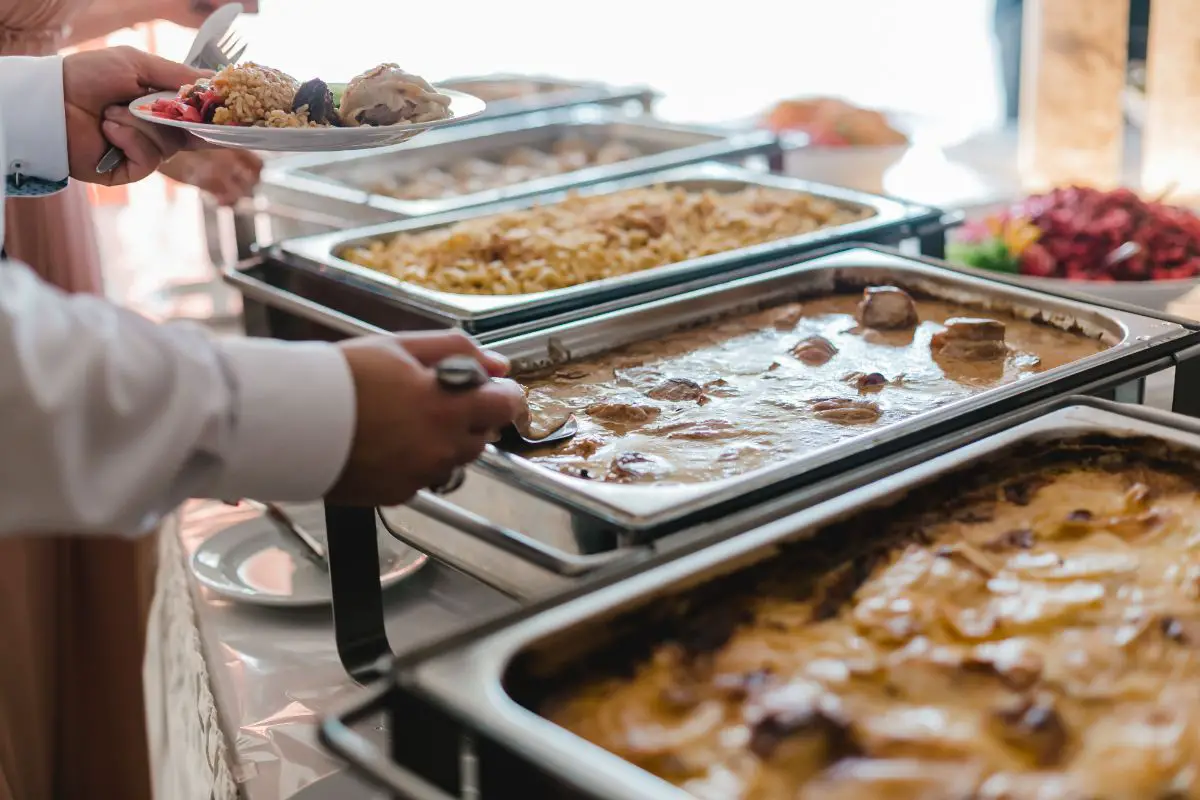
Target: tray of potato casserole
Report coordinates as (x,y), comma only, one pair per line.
(1015,619)
(489,268)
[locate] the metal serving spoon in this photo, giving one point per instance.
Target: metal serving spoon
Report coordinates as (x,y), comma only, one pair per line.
(463,373)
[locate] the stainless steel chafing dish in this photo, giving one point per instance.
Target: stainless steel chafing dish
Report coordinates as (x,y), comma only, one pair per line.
(892,220)
(544,93)
(569,527)
(495,746)
(309,193)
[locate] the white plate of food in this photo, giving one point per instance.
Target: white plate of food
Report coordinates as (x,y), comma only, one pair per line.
(253,107)
(253,562)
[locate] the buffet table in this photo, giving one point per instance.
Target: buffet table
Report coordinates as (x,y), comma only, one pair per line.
(260,679)
(234,692)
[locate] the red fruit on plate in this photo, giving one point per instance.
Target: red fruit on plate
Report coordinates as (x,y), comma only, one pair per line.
(1036,261)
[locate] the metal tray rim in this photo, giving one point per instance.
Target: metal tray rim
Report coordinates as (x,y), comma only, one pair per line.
(315,252)
(572,93)
(642,507)
(469,679)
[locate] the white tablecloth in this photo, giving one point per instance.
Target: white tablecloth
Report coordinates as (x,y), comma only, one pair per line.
(234,693)
(188,749)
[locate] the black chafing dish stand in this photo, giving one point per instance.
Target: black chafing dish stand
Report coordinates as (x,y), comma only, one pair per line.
(439,754)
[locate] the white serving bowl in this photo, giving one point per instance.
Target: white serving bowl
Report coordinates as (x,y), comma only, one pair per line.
(861,168)
(1154,295)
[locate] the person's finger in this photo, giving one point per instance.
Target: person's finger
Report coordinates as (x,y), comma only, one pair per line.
(494,406)
(142,154)
(469,448)
(169,141)
(431,347)
(159,74)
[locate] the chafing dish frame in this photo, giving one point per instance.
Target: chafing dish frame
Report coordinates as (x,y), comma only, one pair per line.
(322,175)
(473,739)
(892,220)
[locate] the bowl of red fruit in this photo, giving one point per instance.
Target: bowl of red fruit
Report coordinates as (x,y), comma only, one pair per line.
(1114,245)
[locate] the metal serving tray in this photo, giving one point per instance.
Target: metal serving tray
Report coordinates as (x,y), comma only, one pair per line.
(337,185)
(460,687)
(892,221)
(554,93)
(347,177)
(506,493)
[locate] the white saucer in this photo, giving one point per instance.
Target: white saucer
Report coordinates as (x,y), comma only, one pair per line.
(254,562)
(311,140)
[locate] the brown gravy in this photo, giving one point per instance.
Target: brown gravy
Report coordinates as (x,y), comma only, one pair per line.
(1026,639)
(745,400)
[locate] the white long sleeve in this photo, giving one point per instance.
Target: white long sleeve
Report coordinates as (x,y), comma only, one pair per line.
(108,421)
(32,120)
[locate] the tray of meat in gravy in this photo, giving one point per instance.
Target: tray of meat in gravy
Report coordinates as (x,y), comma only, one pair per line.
(688,406)
(1014,620)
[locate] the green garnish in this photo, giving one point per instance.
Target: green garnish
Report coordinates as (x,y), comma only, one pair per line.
(992,255)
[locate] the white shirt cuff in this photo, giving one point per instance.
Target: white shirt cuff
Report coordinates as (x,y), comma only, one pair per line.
(33,114)
(294,417)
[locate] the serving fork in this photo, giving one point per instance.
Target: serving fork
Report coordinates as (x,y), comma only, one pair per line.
(217,46)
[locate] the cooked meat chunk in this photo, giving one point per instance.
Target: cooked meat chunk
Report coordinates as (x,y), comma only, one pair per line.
(802,718)
(866,381)
(677,390)
(583,446)
(1033,726)
(638,468)
(845,411)
(814,351)
(970,339)
(886,308)
(627,414)
(785,317)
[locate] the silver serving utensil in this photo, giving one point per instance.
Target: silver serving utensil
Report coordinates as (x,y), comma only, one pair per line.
(310,547)
(462,373)
(216,46)
(1122,253)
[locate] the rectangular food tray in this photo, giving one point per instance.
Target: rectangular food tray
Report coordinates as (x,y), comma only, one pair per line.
(346,178)
(554,93)
(892,222)
(466,682)
(634,508)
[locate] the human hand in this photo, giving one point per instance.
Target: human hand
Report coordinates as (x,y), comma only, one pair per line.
(228,175)
(97,86)
(409,432)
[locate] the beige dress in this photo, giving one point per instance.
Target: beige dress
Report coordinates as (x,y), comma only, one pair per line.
(72,611)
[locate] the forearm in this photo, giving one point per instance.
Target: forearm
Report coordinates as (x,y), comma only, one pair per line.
(106,16)
(107,421)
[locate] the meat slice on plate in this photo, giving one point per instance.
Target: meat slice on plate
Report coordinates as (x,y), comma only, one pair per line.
(970,339)
(814,351)
(887,308)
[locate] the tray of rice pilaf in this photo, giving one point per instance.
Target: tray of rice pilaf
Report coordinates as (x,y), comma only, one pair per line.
(257,107)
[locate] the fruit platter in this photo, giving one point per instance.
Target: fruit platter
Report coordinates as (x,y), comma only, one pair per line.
(1114,244)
